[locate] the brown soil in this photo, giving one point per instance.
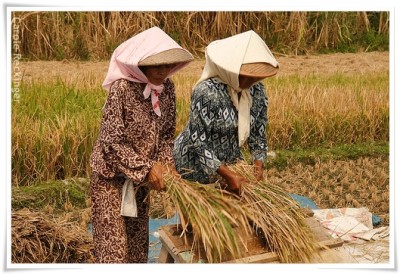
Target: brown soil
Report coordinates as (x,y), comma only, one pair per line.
(347,63)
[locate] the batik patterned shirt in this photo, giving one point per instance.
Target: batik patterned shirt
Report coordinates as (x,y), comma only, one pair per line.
(210,138)
(132,137)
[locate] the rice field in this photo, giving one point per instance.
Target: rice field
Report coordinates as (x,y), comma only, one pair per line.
(324,101)
(57,115)
(353,183)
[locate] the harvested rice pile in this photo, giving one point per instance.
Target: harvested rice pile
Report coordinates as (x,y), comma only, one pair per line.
(214,214)
(38,238)
(277,218)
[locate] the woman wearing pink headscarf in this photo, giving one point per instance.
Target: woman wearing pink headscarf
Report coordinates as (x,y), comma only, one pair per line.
(134,144)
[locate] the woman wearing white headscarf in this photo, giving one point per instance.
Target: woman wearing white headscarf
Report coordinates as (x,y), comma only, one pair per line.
(134,144)
(228,109)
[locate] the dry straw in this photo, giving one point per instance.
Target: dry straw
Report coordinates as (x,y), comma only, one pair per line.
(38,238)
(267,210)
(212,214)
(277,218)
(94,35)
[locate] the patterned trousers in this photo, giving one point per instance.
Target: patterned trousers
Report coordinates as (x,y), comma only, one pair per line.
(116,238)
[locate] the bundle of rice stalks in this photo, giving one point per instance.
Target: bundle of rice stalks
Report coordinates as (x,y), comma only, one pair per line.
(211,215)
(277,218)
(38,238)
(161,205)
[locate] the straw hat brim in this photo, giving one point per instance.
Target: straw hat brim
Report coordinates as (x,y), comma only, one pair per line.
(171,56)
(259,70)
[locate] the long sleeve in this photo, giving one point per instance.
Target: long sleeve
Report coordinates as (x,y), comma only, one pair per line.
(201,123)
(132,137)
(167,137)
(210,138)
(119,151)
(257,141)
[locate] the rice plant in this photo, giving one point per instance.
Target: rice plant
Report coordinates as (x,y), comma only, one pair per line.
(55,122)
(59,35)
(212,214)
(277,218)
(262,210)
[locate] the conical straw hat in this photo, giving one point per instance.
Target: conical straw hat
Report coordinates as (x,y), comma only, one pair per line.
(259,70)
(171,56)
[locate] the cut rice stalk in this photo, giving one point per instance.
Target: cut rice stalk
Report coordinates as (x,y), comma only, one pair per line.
(277,218)
(264,209)
(213,215)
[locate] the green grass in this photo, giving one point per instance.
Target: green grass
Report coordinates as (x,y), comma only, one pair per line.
(55,123)
(57,193)
(310,156)
(54,127)
(54,193)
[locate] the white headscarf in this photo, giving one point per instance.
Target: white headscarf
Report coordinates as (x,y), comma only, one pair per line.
(224,59)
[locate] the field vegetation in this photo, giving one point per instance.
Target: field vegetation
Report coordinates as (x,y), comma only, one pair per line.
(328,113)
(55,123)
(317,118)
(94,35)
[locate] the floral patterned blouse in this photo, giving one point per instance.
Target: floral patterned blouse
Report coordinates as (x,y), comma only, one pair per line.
(132,137)
(210,138)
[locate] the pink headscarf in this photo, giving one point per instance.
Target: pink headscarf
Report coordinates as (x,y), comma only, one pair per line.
(125,59)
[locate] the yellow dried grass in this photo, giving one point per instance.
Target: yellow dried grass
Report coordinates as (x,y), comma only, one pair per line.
(263,208)
(212,214)
(277,218)
(39,238)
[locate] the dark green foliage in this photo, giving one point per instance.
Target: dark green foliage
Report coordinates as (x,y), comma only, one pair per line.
(57,194)
(285,158)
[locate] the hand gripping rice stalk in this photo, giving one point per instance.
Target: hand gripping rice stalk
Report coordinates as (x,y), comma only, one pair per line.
(264,209)
(277,218)
(213,215)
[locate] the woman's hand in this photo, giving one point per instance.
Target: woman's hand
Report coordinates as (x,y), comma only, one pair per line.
(172,170)
(258,170)
(233,180)
(155,177)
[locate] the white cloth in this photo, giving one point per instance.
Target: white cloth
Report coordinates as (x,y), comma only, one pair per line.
(243,107)
(224,59)
(128,202)
(374,234)
(349,224)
